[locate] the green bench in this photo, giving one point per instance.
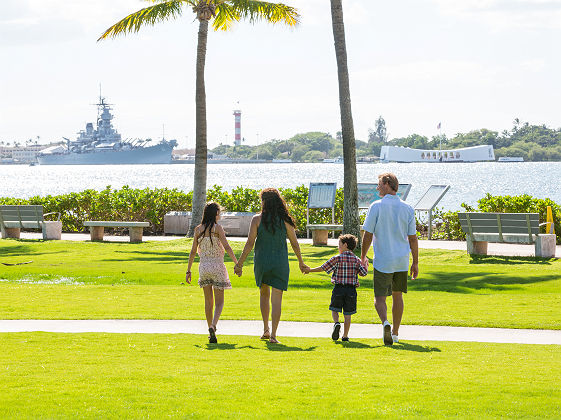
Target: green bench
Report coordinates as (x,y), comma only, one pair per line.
(512,228)
(97,229)
(15,218)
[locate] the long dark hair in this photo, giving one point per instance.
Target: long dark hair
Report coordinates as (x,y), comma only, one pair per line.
(273,209)
(209,218)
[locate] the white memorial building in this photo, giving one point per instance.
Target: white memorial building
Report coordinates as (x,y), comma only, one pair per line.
(466,154)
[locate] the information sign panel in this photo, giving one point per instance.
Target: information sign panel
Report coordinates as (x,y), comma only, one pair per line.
(322,195)
(431,198)
(367,193)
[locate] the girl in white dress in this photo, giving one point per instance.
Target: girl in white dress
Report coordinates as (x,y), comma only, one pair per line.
(211,243)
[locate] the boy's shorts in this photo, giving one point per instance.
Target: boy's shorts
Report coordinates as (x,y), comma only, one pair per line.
(343,298)
(386,283)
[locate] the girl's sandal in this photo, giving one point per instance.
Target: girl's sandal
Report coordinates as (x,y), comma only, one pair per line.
(266,335)
(273,340)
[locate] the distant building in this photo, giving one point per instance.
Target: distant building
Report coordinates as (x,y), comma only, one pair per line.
(23,154)
(466,154)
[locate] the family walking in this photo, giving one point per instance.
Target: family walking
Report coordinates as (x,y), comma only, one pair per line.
(389,224)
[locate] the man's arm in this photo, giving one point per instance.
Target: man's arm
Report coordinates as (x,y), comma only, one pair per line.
(414,245)
(366,242)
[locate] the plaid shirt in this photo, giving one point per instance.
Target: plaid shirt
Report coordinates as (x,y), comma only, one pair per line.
(345,267)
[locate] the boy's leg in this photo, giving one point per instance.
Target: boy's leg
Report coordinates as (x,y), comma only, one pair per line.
(347,325)
(335,316)
(218,305)
(208,304)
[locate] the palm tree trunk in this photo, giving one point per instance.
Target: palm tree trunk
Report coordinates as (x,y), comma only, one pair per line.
(199,183)
(351,222)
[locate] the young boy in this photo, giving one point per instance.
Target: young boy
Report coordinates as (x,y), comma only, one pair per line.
(345,268)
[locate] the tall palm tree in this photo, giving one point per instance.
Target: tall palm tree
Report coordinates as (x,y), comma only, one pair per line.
(223,14)
(351,222)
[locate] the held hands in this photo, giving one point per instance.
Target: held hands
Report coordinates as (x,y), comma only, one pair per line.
(304,268)
(238,270)
(365,262)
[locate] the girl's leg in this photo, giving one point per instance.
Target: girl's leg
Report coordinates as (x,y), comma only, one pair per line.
(264,305)
(218,305)
(276,304)
(208,304)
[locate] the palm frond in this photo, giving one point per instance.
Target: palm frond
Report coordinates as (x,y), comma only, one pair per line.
(231,11)
(162,10)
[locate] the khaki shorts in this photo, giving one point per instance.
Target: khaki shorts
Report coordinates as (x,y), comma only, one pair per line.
(386,283)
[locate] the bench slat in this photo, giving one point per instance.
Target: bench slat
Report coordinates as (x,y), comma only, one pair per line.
(504,216)
(505,230)
(115,224)
(324,227)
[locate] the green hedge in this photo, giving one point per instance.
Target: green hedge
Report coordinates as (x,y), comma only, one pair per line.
(152,204)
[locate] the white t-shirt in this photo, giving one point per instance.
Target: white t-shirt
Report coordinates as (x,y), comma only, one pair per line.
(390,220)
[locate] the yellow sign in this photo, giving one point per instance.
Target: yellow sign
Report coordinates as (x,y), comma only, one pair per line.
(549,227)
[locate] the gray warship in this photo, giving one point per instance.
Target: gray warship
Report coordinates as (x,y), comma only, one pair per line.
(104,146)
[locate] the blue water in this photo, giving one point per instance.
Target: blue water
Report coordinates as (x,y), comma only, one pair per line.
(468,181)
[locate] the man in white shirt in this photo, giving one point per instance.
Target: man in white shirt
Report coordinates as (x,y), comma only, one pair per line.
(390,222)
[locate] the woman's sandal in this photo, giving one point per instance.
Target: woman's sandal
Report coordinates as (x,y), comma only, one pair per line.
(273,340)
(212,337)
(266,335)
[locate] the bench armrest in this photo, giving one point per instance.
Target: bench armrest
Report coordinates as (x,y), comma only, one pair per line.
(53,212)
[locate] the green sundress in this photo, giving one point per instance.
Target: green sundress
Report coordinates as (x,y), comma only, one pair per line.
(270,260)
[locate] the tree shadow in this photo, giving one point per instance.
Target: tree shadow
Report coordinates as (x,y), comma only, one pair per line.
(401,346)
(470,282)
(284,347)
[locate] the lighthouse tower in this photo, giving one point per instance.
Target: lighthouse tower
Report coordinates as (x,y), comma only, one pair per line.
(238,127)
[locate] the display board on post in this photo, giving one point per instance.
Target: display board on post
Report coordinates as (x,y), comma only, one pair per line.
(429,200)
(321,195)
(367,193)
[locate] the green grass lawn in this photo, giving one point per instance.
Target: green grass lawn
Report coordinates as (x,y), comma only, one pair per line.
(180,376)
(79,280)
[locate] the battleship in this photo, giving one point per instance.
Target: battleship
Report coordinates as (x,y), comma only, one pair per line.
(104,146)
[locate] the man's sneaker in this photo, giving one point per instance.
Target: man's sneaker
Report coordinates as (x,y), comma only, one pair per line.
(336,329)
(395,338)
(387,334)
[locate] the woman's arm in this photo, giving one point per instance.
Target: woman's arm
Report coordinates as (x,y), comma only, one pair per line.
(291,233)
(249,243)
(225,244)
(192,255)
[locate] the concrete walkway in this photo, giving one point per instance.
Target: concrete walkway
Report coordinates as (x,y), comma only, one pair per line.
(514,250)
(286,329)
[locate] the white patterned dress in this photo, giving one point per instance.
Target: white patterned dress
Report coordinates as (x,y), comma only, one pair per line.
(212,271)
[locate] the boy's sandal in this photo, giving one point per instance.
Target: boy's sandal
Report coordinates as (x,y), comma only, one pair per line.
(266,335)
(274,340)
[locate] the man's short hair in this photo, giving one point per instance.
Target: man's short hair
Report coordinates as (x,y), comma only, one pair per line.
(349,240)
(389,179)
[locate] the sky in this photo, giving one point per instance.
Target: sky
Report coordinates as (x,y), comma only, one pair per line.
(468,64)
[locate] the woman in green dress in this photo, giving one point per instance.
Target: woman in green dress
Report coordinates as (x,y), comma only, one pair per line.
(268,232)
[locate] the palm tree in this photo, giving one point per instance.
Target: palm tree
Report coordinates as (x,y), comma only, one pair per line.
(223,13)
(351,222)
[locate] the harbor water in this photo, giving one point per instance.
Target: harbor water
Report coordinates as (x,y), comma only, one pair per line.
(469,181)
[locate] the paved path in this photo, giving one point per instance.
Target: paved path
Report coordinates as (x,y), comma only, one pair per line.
(493,249)
(286,329)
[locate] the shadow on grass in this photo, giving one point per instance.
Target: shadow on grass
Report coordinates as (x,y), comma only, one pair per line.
(401,346)
(355,345)
(471,282)
(25,250)
(224,346)
(506,260)
(283,347)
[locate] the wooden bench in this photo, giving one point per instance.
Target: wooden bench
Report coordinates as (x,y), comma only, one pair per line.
(97,229)
(15,218)
(320,233)
(514,228)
